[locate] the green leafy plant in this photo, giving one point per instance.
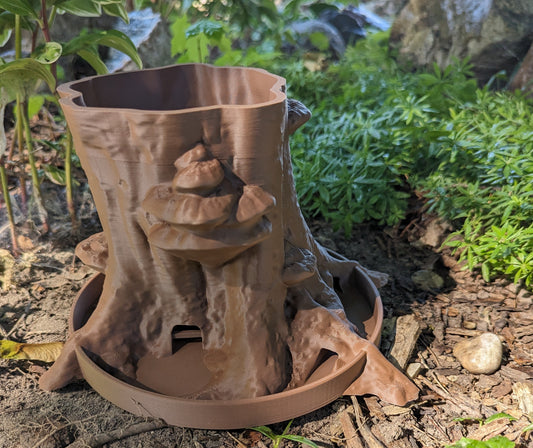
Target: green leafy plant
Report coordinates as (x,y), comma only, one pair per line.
(494,442)
(485,421)
(277,439)
(20,77)
(194,43)
(379,134)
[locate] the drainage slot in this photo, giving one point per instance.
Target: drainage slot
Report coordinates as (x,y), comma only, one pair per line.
(183,334)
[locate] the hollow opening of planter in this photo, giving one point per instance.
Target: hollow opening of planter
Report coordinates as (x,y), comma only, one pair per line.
(192,86)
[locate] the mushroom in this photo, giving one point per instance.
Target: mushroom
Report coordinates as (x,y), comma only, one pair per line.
(213,249)
(253,204)
(196,154)
(199,177)
(300,264)
(94,252)
(186,209)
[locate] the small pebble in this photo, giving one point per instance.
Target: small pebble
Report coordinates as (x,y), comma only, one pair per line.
(482,354)
(469,325)
(413,370)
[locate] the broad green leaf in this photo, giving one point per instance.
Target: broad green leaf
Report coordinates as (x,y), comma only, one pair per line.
(179,38)
(20,7)
(5,34)
(499,442)
(210,28)
(82,8)
(111,38)
(47,352)
(93,58)
(319,40)
(21,77)
(116,10)
(48,53)
(35,102)
(55,174)
(7,20)
(498,416)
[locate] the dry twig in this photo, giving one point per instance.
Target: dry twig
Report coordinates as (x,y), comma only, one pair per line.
(370,439)
(118,434)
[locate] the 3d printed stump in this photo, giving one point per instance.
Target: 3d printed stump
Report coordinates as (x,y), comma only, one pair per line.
(215,307)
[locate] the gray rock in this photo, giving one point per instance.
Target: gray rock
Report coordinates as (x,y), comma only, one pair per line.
(427,280)
(304,28)
(495,34)
(435,233)
(481,354)
(522,79)
(384,8)
(151,37)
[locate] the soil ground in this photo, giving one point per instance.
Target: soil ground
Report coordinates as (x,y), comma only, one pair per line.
(39,287)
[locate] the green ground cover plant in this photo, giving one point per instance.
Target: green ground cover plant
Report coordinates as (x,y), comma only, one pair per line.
(380,134)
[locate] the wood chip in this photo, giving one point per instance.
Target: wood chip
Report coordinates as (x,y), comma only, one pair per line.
(390,410)
(489,430)
(514,374)
(372,403)
(471,407)
(523,331)
(463,332)
(407,331)
(523,394)
(352,440)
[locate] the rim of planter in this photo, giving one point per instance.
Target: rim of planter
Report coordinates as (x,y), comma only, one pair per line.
(72,97)
(222,414)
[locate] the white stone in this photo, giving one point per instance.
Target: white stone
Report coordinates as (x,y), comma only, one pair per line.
(481,354)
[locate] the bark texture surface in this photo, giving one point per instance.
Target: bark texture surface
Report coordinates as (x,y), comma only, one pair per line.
(191,175)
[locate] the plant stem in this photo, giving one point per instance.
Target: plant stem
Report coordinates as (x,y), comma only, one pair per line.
(18,124)
(18,38)
(9,208)
(52,16)
(34,174)
(46,32)
(68,180)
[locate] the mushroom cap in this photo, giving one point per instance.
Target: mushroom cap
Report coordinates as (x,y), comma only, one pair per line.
(196,154)
(94,252)
(214,249)
(199,177)
(186,209)
(254,203)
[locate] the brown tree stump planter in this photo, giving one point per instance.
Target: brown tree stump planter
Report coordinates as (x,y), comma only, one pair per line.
(214,307)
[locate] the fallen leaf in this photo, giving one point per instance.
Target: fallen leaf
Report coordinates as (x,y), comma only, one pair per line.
(47,352)
(6,269)
(24,243)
